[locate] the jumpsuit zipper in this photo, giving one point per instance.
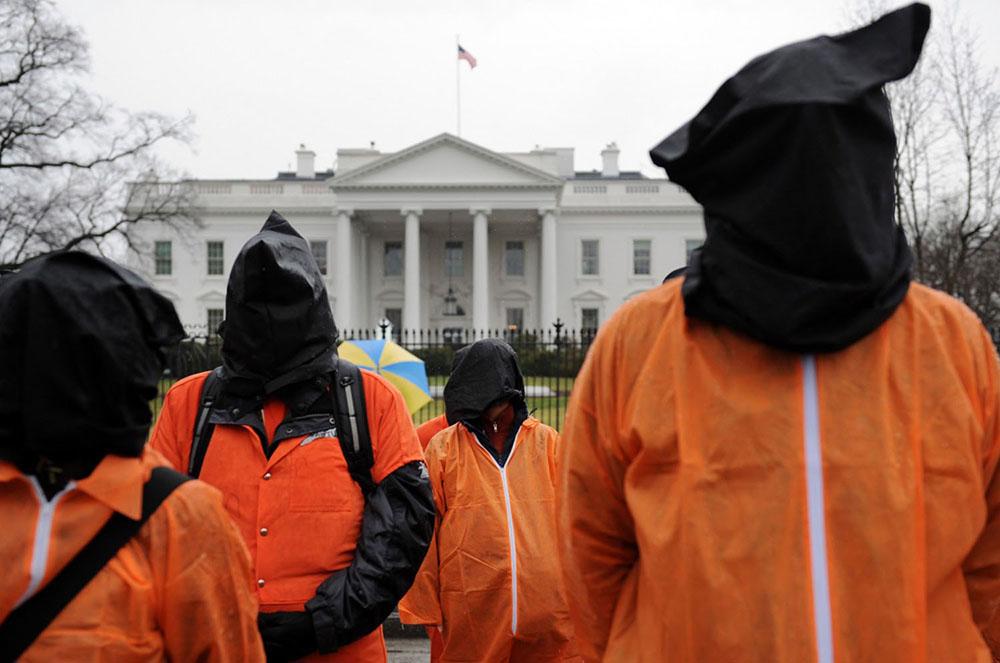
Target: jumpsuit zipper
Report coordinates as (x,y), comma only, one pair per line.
(510,524)
(816,512)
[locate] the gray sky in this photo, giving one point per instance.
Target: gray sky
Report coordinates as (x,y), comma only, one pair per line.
(262,76)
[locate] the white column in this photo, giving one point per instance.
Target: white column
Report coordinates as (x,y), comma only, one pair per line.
(548,272)
(480,270)
(411,283)
(344,315)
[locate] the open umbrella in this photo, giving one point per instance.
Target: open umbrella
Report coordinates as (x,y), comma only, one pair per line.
(404,370)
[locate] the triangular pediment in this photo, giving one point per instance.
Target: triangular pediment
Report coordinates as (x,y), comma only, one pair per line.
(445,161)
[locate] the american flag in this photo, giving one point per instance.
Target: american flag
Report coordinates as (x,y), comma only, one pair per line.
(467,56)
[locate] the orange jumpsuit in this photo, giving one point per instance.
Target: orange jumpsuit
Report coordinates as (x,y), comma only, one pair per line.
(430,428)
(180,590)
(491,576)
(425,432)
(725,501)
(299,511)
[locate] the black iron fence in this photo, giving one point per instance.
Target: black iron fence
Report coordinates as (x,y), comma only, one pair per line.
(549,358)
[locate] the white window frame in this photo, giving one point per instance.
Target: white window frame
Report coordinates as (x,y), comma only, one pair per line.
(324,269)
(579,258)
(444,259)
(210,330)
(170,272)
(524,260)
(506,315)
(632,272)
(207,262)
(402,259)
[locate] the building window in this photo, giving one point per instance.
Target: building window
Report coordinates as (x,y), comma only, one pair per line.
(392,259)
(395,318)
(515,319)
(589,262)
(641,249)
(215,259)
(513,259)
(214,318)
(689,246)
(164,254)
(318,248)
(588,319)
(454,259)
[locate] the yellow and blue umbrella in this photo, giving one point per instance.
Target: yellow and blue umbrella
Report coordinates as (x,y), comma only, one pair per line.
(405,371)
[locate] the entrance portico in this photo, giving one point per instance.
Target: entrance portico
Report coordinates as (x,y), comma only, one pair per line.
(433,207)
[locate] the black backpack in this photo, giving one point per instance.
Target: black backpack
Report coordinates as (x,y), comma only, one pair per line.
(349,410)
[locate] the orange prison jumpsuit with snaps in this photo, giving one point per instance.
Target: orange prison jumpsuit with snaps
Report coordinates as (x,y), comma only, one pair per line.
(180,590)
(491,576)
(722,500)
(299,511)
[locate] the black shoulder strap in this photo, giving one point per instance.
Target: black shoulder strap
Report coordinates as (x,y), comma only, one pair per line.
(203,430)
(26,622)
(352,424)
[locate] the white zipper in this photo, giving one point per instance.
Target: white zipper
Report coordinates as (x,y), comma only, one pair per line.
(43,536)
(510,525)
(816,513)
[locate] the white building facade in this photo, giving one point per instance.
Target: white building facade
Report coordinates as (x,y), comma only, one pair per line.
(444,234)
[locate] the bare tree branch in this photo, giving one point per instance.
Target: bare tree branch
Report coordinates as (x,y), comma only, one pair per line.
(76,172)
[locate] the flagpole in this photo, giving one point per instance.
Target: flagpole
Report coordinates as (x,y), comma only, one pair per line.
(458,90)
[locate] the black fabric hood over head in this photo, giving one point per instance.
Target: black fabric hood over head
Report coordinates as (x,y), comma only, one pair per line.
(482,374)
(279,329)
(82,344)
(792,160)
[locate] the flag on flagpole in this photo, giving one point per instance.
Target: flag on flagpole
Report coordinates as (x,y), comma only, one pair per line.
(467,56)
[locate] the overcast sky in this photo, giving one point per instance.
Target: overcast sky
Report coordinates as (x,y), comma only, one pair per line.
(262,76)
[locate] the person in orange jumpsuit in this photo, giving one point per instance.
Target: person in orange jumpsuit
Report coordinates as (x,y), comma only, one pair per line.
(332,557)
(81,354)
(425,432)
(791,453)
(490,580)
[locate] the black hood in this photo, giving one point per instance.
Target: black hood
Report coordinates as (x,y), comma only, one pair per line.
(81,354)
(279,329)
(482,374)
(792,160)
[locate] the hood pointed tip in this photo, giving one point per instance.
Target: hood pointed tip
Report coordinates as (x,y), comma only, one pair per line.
(277,223)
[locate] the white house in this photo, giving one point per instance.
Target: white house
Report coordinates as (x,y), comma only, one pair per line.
(443,234)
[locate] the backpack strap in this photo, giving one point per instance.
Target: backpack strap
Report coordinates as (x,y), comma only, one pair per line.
(203,430)
(352,424)
(27,621)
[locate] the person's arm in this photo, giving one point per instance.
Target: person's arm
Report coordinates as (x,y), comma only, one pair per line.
(171,435)
(207,609)
(982,565)
(396,529)
(422,604)
(595,527)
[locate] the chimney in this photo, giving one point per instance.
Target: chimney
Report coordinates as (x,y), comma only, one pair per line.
(306,163)
(610,157)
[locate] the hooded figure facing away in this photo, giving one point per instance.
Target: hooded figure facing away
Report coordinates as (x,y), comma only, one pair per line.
(81,354)
(490,580)
(331,562)
(790,454)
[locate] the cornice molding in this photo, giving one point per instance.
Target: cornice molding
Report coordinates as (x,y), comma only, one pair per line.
(402,186)
(664,209)
(340,181)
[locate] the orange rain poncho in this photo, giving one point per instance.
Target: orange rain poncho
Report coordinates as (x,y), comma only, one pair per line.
(180,590)
(718,493)
(491,576)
